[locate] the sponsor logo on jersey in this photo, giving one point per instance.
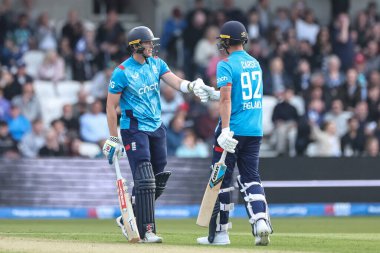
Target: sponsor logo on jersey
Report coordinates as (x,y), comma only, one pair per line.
(148,88)
(248,64)
(112,84)
(221,79)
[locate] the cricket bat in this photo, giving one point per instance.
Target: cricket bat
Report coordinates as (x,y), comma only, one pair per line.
(126,206)
(212,191)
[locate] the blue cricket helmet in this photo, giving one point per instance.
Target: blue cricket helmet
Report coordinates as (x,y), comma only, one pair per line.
(232,33)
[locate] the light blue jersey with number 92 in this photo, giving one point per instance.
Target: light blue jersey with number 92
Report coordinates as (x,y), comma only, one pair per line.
(244,73)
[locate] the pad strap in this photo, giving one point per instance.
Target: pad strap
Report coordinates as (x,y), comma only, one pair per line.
(227,207)
(223,227)
(161,180)
(229,189)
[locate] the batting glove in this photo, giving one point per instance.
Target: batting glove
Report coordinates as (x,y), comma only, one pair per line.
(200,89)
(226,141)
(113,148)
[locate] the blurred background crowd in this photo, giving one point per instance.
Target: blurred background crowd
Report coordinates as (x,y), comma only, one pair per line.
(321,83)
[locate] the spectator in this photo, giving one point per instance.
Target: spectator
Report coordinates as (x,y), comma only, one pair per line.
(285,119)
(302,77)
(232,12)
(372,147)
(18,124)
(253,25)
(52,147)
(33,141)
(68,118)
(277,81)
(171,100)
(327,141)
(342,44)
(322,49)
(265,14)
(5,107)
(10,53)
(8,146)
(282,20)
(28,102)
(60,131)
(350,92)
(22,34)
(373,102)
(72,29)
(307,28)
(45,33)
(205,50)
(372,56)
(352,143)
(52,68)
(171,40)
(175,133)
(192,147)
(81,106)
(99,89)
(93,125)
(13,86)
(338,116)
(334,77)
(206,123)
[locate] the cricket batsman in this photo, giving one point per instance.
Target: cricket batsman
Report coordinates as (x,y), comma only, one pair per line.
(135,87)
(239,78)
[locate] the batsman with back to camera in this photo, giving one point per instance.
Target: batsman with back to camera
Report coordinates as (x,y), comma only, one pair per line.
(239,78)
(135,86)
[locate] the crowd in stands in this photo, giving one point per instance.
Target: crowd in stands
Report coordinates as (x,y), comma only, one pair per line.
(323,81)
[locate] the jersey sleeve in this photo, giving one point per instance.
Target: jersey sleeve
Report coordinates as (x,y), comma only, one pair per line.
(163,67)
(223,74)
(117,82)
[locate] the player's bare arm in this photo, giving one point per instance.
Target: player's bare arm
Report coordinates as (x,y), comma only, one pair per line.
(112,104)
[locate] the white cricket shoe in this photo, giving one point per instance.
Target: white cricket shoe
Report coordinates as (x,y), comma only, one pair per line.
(121,226)
(263,231)
(151,237)
(221,238)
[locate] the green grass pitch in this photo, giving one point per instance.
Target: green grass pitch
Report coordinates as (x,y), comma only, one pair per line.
(329,234)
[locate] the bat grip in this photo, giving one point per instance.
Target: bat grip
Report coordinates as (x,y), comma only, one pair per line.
(117,168)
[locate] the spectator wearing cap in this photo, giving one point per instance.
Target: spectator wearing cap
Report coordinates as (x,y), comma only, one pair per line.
(18,124)
(32,142)
(28,103)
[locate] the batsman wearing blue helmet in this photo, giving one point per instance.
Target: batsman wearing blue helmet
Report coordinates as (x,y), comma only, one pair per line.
(135,87)
(239,78)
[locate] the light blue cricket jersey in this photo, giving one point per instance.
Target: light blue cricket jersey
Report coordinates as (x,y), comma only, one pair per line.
(244,73)
(139,86)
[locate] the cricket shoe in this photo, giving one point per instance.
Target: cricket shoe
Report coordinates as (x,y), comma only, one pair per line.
(221,238)
(119,222)
(262,231)
(151,237)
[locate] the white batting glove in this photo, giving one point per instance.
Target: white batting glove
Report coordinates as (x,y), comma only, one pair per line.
(226,141)
(200,90)
(113,148)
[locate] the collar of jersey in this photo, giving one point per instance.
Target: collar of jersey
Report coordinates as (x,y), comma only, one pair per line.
(136,62)
(238,52)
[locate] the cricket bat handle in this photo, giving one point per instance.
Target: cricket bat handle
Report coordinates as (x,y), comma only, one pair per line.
(223,157)
(117,168)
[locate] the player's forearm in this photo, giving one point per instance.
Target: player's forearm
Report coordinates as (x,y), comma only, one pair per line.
(225,112)
(112,120)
